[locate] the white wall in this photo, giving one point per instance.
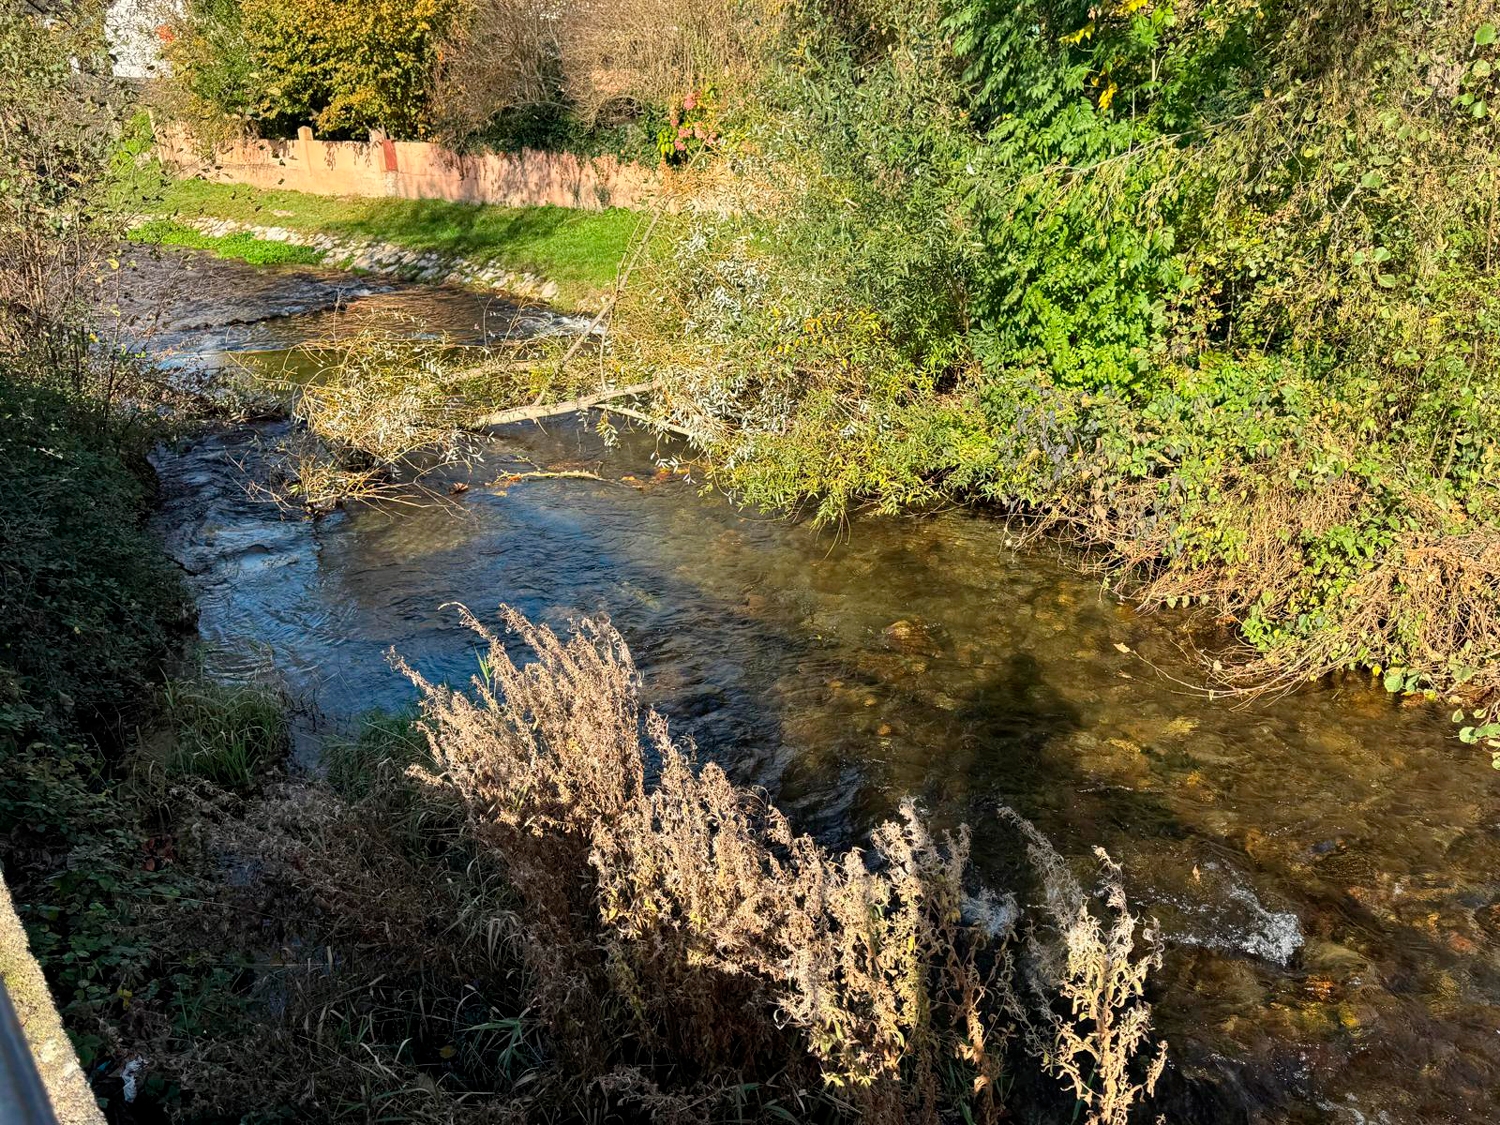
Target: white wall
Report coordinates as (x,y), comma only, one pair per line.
(131,27)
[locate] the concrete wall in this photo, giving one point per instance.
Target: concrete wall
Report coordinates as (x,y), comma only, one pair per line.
(415,170)
(131,28)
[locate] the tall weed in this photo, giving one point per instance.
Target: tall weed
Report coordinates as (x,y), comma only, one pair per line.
(667,908)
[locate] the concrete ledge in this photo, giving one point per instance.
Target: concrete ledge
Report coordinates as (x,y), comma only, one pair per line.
(72,1100)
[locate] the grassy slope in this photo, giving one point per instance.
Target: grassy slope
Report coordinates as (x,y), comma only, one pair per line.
(579,250)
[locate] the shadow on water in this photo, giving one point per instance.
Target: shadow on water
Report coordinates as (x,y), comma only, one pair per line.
(1325,867)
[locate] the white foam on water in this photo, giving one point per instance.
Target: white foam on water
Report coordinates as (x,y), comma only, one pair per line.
(1278,935)
(1235,919)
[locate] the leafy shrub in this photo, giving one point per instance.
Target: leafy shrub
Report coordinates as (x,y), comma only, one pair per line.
(1131,272)
(210,78)
(62,121)
(506,73)
(87,605)
(89,608)
(343,66)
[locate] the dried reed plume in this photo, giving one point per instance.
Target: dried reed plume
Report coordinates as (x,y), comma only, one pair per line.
(685,916)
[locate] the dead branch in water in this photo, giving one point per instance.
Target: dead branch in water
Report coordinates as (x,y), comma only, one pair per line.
(570,406)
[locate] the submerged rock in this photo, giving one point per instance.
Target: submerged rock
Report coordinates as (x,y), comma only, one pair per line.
(915,638)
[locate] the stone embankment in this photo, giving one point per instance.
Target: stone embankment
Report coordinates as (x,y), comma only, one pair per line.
(389,258)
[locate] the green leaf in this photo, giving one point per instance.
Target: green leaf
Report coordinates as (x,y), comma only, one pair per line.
(1393,680)
(1485,35)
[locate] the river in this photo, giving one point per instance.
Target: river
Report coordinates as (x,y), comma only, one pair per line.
(1325,865)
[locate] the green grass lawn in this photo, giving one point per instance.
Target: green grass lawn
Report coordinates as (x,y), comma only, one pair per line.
(246,247)
(580,250)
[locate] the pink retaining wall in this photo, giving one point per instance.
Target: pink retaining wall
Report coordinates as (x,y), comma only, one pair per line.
(415,170)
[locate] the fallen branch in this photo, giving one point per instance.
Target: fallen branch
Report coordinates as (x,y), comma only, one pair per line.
(657,423)
(566,474)
(572,405)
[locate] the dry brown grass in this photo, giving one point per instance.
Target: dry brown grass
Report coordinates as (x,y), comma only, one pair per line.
(1434,597)
(1427,603)
(532,906)
(503,55)
(653,52)
(683,915)
(608,58)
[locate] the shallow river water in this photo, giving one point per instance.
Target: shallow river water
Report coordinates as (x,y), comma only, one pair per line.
(1326,865)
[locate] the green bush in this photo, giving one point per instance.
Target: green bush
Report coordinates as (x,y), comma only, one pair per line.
(91,609)
(93,615)
(343,66)
(1210,289)
(496,74)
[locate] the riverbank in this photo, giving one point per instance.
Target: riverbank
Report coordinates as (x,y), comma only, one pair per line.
(1343,900)
(547,253)
(497,914)
(1319,864)
(1355,560)
(229,936)
(223,935)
